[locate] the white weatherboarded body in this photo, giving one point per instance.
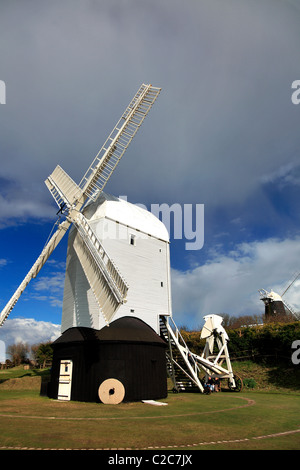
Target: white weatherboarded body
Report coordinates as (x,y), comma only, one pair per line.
(138,244)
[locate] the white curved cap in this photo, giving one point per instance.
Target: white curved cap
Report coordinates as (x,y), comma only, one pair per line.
(127,214)
(272,295)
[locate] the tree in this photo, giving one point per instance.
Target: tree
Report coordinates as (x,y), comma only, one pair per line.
(42,354)
(18,353)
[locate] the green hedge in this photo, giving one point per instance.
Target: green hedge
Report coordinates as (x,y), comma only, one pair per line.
(257,342)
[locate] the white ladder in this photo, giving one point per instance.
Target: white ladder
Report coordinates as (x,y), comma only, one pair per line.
(191,368)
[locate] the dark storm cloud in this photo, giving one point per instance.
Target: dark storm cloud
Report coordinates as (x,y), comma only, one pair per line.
(224,118)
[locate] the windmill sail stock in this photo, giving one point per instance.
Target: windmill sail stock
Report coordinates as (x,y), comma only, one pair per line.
(41,260)
(118,141)
(105,280)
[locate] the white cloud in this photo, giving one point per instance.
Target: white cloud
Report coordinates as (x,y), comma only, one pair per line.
(23,207)
(53,283)
(28,330)
(50,288)
(229,283)
(287,174)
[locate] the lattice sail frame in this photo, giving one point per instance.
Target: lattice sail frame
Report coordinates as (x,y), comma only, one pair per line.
(105,162)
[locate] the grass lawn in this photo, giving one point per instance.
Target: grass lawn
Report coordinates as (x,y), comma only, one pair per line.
(252,419)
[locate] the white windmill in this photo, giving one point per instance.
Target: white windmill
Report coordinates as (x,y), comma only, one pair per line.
(95,289)
(117,319)
(275,304)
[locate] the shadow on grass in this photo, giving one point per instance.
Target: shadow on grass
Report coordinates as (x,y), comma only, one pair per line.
(19,374)
(284,377)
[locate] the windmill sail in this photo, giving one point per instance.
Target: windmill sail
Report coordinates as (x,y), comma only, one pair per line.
(41,260)
(114,148)
(63,189)
(291,283)
(106,282)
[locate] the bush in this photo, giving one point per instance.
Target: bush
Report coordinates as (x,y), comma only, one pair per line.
(259,343)
(249,383)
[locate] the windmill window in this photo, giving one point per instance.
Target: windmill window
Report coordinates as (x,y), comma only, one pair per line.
(132,240)
(161,284)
